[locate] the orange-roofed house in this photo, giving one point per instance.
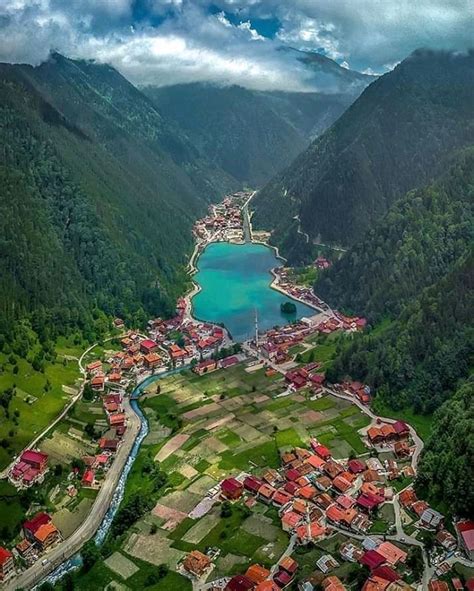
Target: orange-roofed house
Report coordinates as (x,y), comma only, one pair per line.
(341,484)
(375,584)
(310,532)
(290,520)
(335,513)
(333,584)
(98,382)
(265,493)
(196,563)
(117,420)
(7,566)
(315,462)
(375,435)
(288,564)
(257,573)
(307,492)
(392,554)
(151,360)
(46,535)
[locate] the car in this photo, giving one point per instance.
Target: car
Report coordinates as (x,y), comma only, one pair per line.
(402,539)
(44,561)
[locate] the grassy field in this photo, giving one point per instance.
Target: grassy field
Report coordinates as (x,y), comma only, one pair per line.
(233,422)
(39,397)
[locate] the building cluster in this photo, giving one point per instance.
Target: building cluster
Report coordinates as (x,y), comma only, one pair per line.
(29,469)
(322,263)
(299,292)
(224,220)
(38,535)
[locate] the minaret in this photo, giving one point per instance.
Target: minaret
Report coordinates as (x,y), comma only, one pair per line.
(256,329)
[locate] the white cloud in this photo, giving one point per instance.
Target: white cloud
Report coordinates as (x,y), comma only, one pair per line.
(193,44)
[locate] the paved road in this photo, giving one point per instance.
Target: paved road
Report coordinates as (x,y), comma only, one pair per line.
(69,547)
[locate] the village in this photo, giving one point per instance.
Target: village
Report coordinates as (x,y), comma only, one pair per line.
(254,438)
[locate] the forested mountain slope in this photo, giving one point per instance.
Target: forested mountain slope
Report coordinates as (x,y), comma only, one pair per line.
(413,246)
(415,271)
(97,196)
(252,135)
(394,138)
(445,470)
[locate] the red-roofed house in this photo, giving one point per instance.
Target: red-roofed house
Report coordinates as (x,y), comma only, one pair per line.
(31,526)
(372,559)
(252,484)
(356,466)
(148,346)
(239,583)
(7,566)
(465,531)
(232,489)
(321,450)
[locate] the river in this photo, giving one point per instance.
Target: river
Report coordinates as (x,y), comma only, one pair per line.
(235,282)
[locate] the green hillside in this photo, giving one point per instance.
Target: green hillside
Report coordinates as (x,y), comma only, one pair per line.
(98,195)
(394,138)
(251,135)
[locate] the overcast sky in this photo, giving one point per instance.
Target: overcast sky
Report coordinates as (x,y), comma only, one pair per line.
(231,41)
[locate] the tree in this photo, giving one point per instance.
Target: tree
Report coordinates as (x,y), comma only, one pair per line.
(90,555)
(88,392)
(226,509)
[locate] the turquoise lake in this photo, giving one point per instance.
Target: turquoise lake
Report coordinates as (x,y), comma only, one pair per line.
(235,280)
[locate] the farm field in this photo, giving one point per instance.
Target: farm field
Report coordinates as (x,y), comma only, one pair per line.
(202,430)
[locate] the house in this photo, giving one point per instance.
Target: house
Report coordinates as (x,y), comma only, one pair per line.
(290,520)
(98,382)
(401,429)
(309,532)
(374,583)
(315,462)
(334,514)
(341,484)
(46,535)
(350,552)
(387,573)
(282,578)
(323,483)
(109,444)
(356,466)
(7,566)
(431,519)
(148,346)
(465,530)
(151,360)
(196,563)
(239,583)
(232,489)
(402,449)
(25,549)
(117,419)
(252,484)
(31,526)
(372,559)
(289,565)
(281,498)
(332,584)
(265,493)
(327,563)
(392,554)
(446,540)
(206,366)
(407,497)
(94,367)
(332,469)
(88,478)
(257,573)
(322,451)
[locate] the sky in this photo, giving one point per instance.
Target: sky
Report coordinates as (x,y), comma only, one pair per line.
(163,42)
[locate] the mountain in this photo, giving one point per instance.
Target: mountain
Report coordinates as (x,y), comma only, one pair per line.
(98,194)
(394,138)
(253,135)
(445,469)
(415,272)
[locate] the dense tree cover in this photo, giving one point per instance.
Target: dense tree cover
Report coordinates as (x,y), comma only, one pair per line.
(97,198)
(446,467)
(394,138)
(420,356)
(252,135)
(412,247)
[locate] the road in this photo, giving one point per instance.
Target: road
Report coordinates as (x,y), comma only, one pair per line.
(57,555)
(246,225)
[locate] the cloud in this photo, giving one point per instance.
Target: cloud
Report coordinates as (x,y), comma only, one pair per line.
(171,41)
